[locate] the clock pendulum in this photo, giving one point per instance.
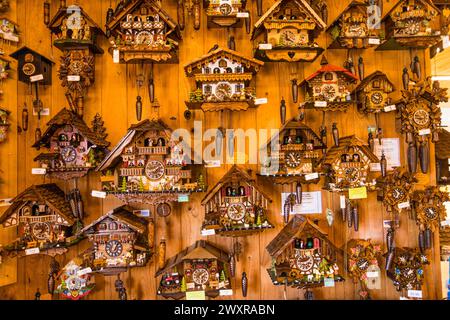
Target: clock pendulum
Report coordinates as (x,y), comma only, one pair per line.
(383,164)
(390,244)
(120,288)
(25,117)
(54,270)
(416,68)
(361,68)
(139,84)
(294,89)
(244,283)
(405,79)
(335,133)
(283,111)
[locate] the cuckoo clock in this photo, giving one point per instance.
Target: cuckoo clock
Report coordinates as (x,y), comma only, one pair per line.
(411,24)
(372,93)
(352,29)
(236,206)
(74,148)
(200,267)
(120,240)
(73,281)
(9,31)
(76,36)
(5,66)
(33,65)
(4,123)
(226,13)
(328,89)
(363,264)
(222,81)
(302,256)
(407,270)
(289,28)
(47,220)
(4,5)
(420,117)
(429,210)
(147,166)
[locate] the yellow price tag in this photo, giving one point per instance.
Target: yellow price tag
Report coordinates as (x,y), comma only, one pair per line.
(357,193)
(195,295)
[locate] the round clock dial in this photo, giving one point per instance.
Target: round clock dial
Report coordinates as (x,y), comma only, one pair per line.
(362,264)
(41,230)
(68,154)
(200,276)
(408,273)
(29,57)
(163,209)
(421,117)
(398,194)
(411,27)
(329,91)
(430,213)
(376,98)
(288,37)
(154,170)
(352,174)
(76,67)
(113,248)
(236,211)
(223,90)
(28,68)
(225,9)
(144,37)
(305,263)
(293,159)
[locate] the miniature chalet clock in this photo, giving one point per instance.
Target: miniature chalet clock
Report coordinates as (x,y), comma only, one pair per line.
(73,282)
(76,36)
(5,66)
(226,13)
(200,267)
(329,88)
(4,123)
(222,81)
(236,206)
(411,24)
(33,65)
(302,256)
(8,30)
(429,209)
(147,166)
(289,27)
(352,28)
(119,241)
(372,93)
(47,220)
(74,148)
(363,264)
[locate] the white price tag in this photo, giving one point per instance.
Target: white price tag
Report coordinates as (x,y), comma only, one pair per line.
(443,223)
(212,163)
(32,251)
(36,78)
(403,205)
(116,56)
(311,176)
(372,274)
(208,232)
(424,132)
(227,292)
(403,298)
(38,171)
(320,104)
(10,37)
(242,15)
(261,101)
(342,201)
(415,294)
(374,41)
(265,46)
(391,107)
(328,282)
(98,194)
(44,112)
(84,271)
(142,213)
(73,78)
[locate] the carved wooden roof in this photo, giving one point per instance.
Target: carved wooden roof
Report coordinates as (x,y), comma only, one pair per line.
(24,50)
(442,147)
(235,173)
(331,68)
(64,117)
(370,77)
(210,248)
(426,2)
(50,194)
(350,141)
(350,6)
(62,13)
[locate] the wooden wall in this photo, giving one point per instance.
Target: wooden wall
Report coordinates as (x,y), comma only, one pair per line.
(113,95)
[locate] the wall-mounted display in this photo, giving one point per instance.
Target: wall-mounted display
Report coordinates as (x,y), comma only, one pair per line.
(119,241)
(9,31)
(4,124)
(73,282)
(291,28)
(236,206)
(200,267)
(226,13)
(222,81)
(74,148)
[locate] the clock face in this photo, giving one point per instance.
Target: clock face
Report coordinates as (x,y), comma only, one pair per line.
(163,209)
(144,37)
(200,276)
(305,263)
(28,68)
(288,37)
(76,67)
(29,57)
(154,170)
(376,98)
(411,27)
(223,90)
(236,211)
(362,264)
(113,248)
(329,91)
(408,273)
(356,30)
(421,117)
(225,9)
(293,159)
(352,174)
(398,194)
(41,230)
(431,213)
(68,154)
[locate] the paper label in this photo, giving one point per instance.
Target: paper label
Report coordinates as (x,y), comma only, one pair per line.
(84,271)
(320,104)
(391,107)
(44,112)
(261,101)
(424,132)
(98,194)
(443,223)
(328,282)
(342,201)
(10,37)
(116,56)
(391,149)
(357,193)
(311,176)
(415,294)
(403,298)
(242,15)
(38,171)
(403,205)
(212,163)
(311,203)
(373,277)
(5,202)
(208,232)
(195,295)
(32,251)
(142,213)
(372,274)
(374,41)
(265,46)
(226,292)
(73,78)
(36,78)
(183,198)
